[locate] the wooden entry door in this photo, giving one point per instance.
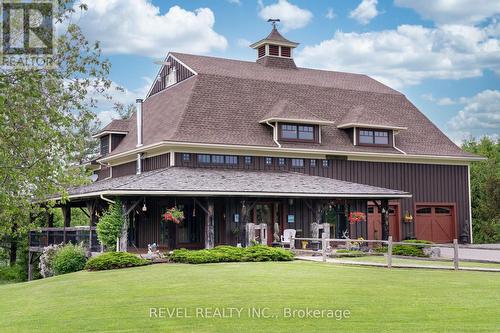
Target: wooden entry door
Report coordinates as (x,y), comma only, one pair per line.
(435,223)
(375,222)
(265,213)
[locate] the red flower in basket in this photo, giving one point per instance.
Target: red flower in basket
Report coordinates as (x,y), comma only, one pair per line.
(356,217)
(173,215)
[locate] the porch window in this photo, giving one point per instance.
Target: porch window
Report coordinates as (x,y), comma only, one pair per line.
(186,157)
(325,163)
(218,159)
(371,137)
(203,158)
(269,160)
(312,163)
(248,160)
(231,159)
(281,161)
(297,162)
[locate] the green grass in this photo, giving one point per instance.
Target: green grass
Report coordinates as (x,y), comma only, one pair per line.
(398,300)
(421,262)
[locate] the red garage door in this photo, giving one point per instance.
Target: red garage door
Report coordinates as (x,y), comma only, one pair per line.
(435,223)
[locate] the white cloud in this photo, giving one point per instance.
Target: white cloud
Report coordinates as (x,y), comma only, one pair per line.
(330,14)
(365,12)
(235,2)
(409,54)
(479,112)
(138,27)
(445,101)
(453,11)
(291,16)
(118,94)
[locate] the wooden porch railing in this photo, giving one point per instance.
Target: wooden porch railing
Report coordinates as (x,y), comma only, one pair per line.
(43,237)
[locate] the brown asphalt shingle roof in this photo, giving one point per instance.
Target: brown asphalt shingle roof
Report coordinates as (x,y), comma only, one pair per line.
(118,125)
(220,182)
(360,114)
(224,103)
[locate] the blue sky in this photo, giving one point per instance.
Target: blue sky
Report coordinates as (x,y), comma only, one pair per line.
(444,55)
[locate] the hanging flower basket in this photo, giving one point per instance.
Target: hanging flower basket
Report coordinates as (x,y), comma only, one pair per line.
(173,214)
(355,217)
(408,218)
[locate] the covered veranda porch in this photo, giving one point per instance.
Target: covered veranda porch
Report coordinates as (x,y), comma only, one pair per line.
(218,204)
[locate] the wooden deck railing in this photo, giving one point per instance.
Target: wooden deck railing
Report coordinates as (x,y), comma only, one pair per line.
(42,237)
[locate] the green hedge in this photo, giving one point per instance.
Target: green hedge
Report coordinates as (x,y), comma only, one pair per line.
(68,259)
(407,250)
(11,274)
(231,254)
(112,260)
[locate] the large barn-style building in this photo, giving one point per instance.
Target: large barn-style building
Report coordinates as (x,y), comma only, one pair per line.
(249,149)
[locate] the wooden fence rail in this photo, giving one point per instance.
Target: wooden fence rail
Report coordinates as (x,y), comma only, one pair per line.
(325,241)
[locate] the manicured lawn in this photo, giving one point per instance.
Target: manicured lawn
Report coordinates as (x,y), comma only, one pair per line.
(398,300)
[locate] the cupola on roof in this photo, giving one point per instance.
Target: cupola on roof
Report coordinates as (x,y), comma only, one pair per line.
(275,50)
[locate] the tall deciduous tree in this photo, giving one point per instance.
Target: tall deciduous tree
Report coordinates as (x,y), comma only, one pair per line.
(42,114)
(485,188)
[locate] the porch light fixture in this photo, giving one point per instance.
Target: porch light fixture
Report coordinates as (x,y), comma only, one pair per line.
(290,202)
(144,208)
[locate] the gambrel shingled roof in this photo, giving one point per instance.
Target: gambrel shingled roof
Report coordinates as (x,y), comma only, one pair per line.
(225,101)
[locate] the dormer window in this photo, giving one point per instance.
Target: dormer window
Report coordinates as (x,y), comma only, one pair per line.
(372,137)
(298,132)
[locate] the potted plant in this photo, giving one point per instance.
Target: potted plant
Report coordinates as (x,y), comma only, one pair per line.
(408,218)
(173,214)
(355,217)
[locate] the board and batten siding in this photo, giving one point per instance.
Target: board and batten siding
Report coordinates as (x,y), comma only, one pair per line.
(182,73)
(426,182)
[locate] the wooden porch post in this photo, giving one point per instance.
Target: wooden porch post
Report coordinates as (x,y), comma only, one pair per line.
(209,225)
(50,218)
(91,206)
(124,232)
(66,212)
(385,219)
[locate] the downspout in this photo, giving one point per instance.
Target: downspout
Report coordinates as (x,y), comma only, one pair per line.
(106,199)
(394,144)
(275,134)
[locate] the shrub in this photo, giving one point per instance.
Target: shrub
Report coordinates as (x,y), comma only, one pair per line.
(46,264)
(11,274)
(349,253)
(112,260)
(68,259)
(407,250)
(110,225)
(231,254)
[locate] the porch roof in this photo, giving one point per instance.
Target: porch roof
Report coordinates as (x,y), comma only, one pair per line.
(223,182)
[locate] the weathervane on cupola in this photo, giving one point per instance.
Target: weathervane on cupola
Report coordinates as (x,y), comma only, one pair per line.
(273,22)
(275,50)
